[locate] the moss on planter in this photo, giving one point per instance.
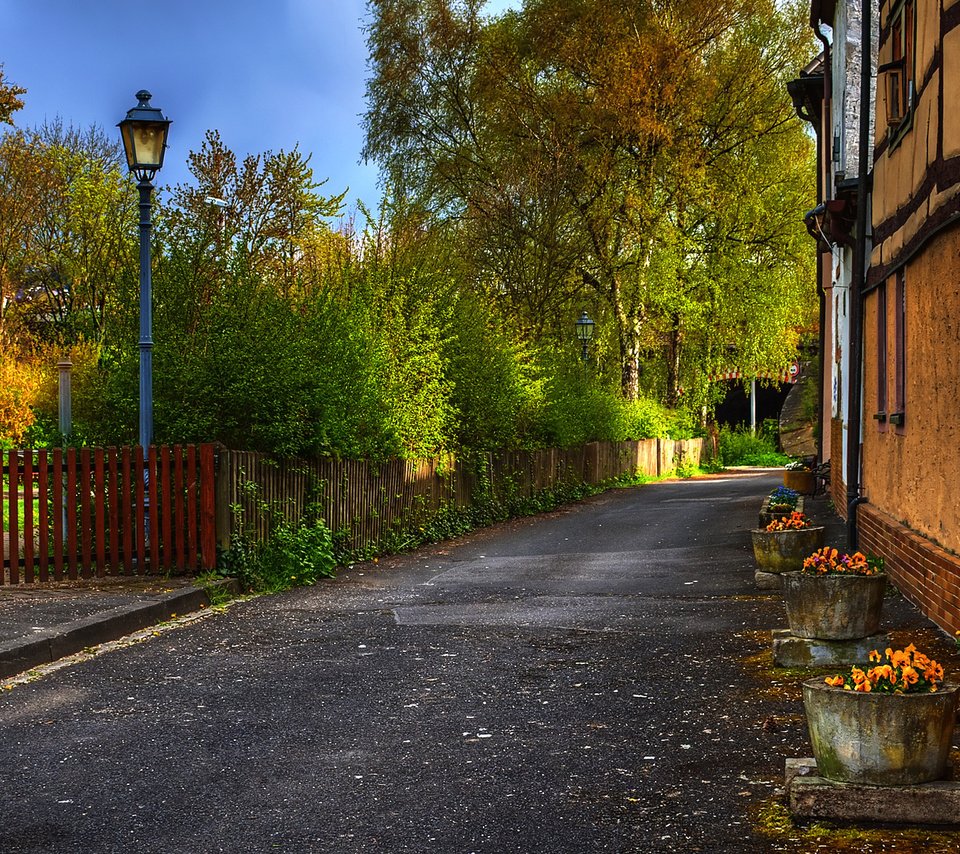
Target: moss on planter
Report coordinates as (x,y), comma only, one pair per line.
(772,819)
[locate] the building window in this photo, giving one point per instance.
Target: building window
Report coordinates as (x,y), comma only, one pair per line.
(899,70)
(900,355)
(881,413)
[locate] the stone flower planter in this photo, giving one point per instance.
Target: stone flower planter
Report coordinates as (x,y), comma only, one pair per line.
(767,515)
(833,607)
(785,551)
(880,739)
(801,481)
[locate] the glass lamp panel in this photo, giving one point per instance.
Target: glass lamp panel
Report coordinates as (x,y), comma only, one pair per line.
(584,328)
(129,148)
(149,139)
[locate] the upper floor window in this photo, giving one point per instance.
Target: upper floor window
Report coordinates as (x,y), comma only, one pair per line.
(881,413)
(899,70)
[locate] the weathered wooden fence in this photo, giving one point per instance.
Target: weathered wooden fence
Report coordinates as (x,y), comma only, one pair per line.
(81,513)
(363,503)
(94,511)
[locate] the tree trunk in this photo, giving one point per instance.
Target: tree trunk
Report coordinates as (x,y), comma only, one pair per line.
(628,334)
(673,361)
(630,377)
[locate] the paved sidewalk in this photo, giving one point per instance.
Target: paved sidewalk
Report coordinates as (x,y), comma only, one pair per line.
(43,623)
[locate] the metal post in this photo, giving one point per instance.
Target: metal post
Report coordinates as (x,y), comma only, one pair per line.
(146,320)
(65,397)
(146,349)
(753,405)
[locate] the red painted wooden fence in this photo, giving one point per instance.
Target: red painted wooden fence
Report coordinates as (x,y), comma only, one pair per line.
(98,511)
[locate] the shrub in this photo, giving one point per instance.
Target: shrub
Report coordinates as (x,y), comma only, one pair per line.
(741,447)
(294,555)
(19,383)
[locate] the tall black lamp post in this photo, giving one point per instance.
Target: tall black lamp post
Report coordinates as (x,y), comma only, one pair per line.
(585,332)
(144,133)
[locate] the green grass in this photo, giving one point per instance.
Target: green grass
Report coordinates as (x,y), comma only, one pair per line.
(4,512)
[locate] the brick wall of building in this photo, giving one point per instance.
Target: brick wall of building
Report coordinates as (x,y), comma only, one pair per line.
(926,574)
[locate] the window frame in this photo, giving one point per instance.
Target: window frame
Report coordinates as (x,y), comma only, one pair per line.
(881,413)
(900,71)
(898,416)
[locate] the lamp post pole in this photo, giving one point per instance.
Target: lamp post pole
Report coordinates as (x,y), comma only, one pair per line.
(146,318)
(144,134)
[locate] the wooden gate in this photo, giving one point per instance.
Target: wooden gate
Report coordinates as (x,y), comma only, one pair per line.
(79,513)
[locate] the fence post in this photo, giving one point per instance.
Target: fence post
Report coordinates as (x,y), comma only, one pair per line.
(223,497)
(64,397)
(208,509)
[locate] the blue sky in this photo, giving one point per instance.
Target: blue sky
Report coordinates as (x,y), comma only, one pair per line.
(268,74)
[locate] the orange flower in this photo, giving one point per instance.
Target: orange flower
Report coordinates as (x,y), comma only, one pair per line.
(834,681)
(909,676)
(875,656)
(795,521)
(885,671)
(898,657)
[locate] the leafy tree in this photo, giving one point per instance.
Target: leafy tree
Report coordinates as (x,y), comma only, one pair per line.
(581,145)
(19,383)
(23,183)
(10,100)
(258,216)
(68,230)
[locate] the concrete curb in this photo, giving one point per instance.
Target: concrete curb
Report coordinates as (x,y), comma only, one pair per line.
(51,645)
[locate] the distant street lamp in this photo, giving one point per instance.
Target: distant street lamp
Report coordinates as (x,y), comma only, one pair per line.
(144,133)
(585,332)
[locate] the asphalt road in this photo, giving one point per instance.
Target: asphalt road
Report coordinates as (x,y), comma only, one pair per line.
(587,681)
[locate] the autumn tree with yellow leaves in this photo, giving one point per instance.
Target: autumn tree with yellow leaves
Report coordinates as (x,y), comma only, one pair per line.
(641,158)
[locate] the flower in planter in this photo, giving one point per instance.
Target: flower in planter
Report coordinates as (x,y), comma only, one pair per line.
(783,498)
(905,671)
(829,561)
(797,465)
(796,521)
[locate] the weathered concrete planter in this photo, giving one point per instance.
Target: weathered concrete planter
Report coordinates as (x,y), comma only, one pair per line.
(879,739)
(801,481)
(833,607)
(785,551)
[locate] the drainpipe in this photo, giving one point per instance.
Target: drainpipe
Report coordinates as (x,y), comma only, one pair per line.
(821,193)
(823,355)
(827,61)
(855,385)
